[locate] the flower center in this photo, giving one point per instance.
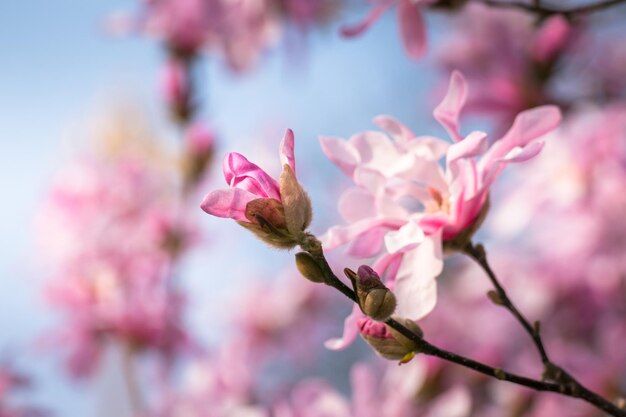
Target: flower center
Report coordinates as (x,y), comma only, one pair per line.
(439,203)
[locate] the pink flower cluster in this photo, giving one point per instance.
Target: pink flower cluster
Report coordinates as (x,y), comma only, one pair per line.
(239,30)
(406,208)
(507,58)
(113,231)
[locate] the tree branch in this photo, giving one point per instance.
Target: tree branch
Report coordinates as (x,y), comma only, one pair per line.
(565,385)
(542,10)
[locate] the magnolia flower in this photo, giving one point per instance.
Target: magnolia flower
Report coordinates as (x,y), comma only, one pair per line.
(407,207)
(410,19)
(278,212)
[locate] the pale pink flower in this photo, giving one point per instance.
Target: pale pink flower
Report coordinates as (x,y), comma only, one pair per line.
(408,206)
(410,20)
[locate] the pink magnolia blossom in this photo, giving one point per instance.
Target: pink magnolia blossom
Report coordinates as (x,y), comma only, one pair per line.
(256,200)
(247,182)
(407,207)
(412,27)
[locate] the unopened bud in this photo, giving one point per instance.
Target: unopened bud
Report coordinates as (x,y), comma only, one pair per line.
(176,89)
(199,146)
(308,267)
(375,300)
(387,342)
(495,297)
(296,203)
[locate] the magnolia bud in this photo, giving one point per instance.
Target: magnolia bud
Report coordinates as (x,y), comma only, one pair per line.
(176,88)
(385,341)
(375,300)
(308,267)
(298,211)
(199,146)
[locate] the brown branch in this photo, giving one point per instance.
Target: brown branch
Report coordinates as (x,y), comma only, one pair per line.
(565,385)
(542,10)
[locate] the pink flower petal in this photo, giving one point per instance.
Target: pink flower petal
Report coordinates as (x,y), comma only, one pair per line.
(287,150)
(551,37)
(518,154)
(447,112)
(356,204)
(528,126)
(241,173)
(474,144)
(412,28)
(406,238)
(341,153)
(367,244)
(350,331)
(399,132)
(415,285)
(377,11)
(340,235)
(229,203)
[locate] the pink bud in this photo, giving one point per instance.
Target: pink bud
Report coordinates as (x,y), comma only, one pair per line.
(199,140)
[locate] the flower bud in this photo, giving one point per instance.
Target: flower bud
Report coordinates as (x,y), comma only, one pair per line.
(298,211)
(176,88)
(199,146)
(387,342)
(375,300)
(308,267)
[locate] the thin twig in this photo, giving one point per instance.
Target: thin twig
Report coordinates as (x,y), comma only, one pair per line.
(566,385)
(538,8)
(477,253)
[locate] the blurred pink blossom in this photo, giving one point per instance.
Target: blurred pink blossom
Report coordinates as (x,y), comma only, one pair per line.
(506,57)
(391,392)
(113,229)
(12,381)
(410,20)
(239,30)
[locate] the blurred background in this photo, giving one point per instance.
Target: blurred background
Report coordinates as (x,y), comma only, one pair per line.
(63,73)
(73,73)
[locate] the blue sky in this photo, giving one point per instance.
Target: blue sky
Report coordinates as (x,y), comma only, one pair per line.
(59,68)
